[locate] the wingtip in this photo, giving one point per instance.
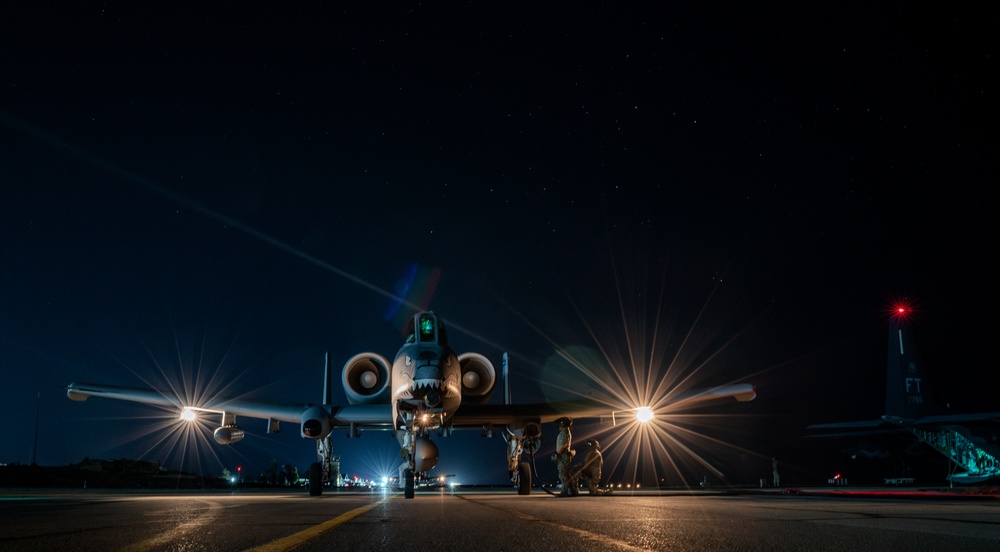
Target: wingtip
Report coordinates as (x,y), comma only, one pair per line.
(73,394)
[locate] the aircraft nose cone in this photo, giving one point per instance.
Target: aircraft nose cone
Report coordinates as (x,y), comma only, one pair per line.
(428,372)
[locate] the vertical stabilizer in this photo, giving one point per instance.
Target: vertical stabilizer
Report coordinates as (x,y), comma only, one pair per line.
(506,381)
(908,390)
(327,380)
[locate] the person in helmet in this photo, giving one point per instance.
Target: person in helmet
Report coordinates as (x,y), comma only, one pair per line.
(564,457)
(592,464)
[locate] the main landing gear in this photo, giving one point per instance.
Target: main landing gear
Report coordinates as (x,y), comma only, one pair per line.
(519,441)
(319,472)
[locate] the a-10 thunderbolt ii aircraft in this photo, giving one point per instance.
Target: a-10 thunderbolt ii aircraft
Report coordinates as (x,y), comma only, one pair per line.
(427,388)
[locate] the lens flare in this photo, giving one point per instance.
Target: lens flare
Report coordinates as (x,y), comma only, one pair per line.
(191,373)
(636,362)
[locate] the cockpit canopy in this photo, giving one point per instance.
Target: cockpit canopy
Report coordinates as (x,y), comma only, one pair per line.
(425,328)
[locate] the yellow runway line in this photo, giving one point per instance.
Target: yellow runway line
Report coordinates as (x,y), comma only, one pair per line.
(298,539)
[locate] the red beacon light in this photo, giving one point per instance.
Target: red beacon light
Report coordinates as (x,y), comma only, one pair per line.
(902,310)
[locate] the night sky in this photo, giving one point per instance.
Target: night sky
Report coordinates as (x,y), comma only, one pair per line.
(214,199)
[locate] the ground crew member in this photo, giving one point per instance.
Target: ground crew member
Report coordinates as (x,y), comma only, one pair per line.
(564,457)
(592,464)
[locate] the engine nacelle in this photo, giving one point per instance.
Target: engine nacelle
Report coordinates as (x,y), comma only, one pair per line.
(366,379)
(227,435)
(478,378)
(316,423)
(425,455)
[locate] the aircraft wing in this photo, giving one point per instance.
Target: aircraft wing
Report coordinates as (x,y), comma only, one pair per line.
(741,392)
(958,418)
(506,414)
(893,422)
(379,416)
(864,424)
(372,416)
(896,430)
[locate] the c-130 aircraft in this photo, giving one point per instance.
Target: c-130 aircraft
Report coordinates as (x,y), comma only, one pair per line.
(427,388)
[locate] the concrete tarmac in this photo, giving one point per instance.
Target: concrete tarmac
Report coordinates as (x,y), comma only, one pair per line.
(485,520)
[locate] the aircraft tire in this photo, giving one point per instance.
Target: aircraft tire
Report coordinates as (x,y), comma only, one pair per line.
(315,479)
(408,489)
(524,478)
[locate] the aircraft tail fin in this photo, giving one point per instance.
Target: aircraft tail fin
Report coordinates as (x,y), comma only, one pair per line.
(327,380)
(908,393)
(506,381)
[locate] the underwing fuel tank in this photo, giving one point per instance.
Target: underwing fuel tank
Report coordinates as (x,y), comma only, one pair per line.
(228,435)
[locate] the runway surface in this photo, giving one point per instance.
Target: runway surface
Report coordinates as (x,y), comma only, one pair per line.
(484,520)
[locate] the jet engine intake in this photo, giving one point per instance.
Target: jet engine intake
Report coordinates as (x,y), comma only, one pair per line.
(478,378)
(227,435)
(316,423)
(366,379)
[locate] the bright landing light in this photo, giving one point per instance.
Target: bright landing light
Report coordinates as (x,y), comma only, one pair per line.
(187,415)
(644,414)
